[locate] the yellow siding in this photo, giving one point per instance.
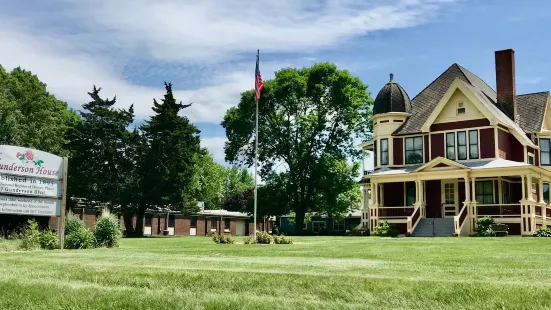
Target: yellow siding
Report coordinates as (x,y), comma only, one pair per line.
(449,113)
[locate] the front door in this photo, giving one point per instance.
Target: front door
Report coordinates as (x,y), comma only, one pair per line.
(449,198)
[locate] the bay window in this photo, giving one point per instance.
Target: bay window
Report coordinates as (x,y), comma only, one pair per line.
(414,150)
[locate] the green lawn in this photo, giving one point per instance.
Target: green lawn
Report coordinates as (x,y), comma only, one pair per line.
(314,273)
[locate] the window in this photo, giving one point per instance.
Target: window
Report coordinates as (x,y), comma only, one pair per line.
(148,220)
(473,144)
(414,150)
(193,222)
(227,224)
(318,226)
(461,145)
(450,145)
(460,111)
(384,152)
(410,193)
(449,193)
(171,219)
(212,223)
(546,192)
(545,152)
(485,192)
(530,159)
(338,225)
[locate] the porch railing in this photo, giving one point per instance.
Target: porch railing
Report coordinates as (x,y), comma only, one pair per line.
(413,220)
(392,212)
(548,212)
(498,210)
(459,219)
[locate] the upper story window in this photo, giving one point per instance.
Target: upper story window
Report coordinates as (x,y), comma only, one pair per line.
(460,109)
(530,158)
(384,152)
(545,152)
(450,145)
(473,144)
(414,150)
(460,146)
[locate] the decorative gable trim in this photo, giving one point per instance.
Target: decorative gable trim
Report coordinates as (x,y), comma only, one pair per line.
(457,84)
(440,163)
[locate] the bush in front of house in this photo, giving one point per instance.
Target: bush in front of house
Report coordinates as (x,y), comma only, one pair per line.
(30,237)
(80,239)
(282,240)
(249,240)
(48,240)
(107,231)
(263,237)
(543,232)
(73,223)
(386,229)
(483,226)
(223,239)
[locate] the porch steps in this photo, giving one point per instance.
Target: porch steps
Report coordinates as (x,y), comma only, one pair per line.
(443,227)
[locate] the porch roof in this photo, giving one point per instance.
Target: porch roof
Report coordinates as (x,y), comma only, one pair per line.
(473,165)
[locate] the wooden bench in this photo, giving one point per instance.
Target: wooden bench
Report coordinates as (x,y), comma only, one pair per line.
(499,230)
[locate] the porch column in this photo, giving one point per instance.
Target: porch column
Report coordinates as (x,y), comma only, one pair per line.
(527,208)
(529,188)
(540,191)
(365,209)
(373,210)
(467,190)
(473,206)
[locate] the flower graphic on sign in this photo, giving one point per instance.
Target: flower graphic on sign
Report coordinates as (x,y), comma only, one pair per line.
(29,156)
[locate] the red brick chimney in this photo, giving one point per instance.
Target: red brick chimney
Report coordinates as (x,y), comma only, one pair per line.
(505,82)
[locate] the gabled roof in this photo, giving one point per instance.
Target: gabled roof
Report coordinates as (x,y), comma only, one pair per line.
(531,110)
(531,107)
(440,162)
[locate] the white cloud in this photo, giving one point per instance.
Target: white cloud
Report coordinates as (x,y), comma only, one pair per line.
(74,44)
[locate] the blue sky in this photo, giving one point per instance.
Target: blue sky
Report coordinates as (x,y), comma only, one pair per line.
(207,48)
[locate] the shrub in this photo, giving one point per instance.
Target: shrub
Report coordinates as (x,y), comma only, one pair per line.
(72,223)
(543,232)
(4,247)
(80,239)
(222,239)
(276,231)
(282,240)
(48,240)
(249,240)
(386,229)
(483,226)
(263,237)
(107,230)
(30,236)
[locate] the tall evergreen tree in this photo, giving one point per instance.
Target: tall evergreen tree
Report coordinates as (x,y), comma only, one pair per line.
(99,146)
(167,169)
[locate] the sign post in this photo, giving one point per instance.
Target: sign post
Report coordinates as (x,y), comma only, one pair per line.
(33,183)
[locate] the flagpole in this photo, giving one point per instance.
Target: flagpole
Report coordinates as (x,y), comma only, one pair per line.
(256,159)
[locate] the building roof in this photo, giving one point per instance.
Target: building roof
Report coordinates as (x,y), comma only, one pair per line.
(530,107)
(391,98)
(531,110)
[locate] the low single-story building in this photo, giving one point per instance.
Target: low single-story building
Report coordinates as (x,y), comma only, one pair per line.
(321,224)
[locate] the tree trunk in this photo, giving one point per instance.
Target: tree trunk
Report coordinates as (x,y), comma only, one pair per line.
(138,231)
(299,220)
(127,218)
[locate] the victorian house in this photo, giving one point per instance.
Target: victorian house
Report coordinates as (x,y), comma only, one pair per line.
(459,151)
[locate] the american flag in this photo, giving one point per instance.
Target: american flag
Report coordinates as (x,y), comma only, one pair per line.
(258,84)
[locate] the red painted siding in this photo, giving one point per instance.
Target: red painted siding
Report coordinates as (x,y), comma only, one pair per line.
(394,194)
(487,143)
(426,149)
(460,125)
(509,147)
(437,145)
(398,151)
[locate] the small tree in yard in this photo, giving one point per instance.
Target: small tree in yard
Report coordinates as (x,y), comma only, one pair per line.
(107,230)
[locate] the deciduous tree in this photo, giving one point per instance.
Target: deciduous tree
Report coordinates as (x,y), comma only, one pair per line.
(309,118)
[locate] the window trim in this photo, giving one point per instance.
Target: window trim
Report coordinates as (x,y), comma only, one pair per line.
(422,137)
(313,225)
(384,154)
(466,145)
(548,152)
